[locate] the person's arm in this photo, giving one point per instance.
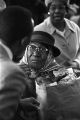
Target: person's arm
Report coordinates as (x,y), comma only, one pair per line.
(11,89)
(77,59)
(75,64)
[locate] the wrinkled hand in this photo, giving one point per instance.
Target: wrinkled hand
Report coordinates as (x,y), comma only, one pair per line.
(30,103)
(29,109)
(40,80)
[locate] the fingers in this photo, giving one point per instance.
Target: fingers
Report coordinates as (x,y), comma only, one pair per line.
(30,100)
(34,101)
(30,104)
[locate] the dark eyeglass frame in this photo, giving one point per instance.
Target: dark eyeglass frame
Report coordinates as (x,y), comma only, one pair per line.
(41,50)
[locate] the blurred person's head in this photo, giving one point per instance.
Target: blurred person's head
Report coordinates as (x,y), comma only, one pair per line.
(57,10)
(41,50)
(2,5)
(16,29)
(72,11)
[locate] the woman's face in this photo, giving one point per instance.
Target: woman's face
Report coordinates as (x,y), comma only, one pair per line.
(36,55)
(57,11)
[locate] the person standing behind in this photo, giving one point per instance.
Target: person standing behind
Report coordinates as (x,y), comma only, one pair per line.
(65,32)
(37,8)
(15,31)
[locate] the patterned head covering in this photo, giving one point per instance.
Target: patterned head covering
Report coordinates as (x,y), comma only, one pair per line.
(45,39)
(49,65)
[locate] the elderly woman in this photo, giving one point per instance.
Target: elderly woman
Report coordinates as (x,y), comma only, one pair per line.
(57,101)
(38,56)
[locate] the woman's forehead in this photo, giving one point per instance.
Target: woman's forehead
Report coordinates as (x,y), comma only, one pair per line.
(57,2)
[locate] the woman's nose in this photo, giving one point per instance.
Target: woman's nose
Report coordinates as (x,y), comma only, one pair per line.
(36,52)
(57,10)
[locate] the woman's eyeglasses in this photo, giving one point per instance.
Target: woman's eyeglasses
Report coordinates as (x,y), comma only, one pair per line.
(33,48)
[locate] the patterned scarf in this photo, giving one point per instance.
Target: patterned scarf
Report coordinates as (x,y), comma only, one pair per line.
(45,72)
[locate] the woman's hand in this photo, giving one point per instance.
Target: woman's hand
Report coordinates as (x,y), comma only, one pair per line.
(30,102)
(29,109)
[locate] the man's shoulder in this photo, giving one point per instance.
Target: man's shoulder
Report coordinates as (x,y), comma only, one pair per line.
(9,68)
(12,74)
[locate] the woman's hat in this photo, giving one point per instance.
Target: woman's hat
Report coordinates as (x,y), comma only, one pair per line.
(47,2)
(47,39)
